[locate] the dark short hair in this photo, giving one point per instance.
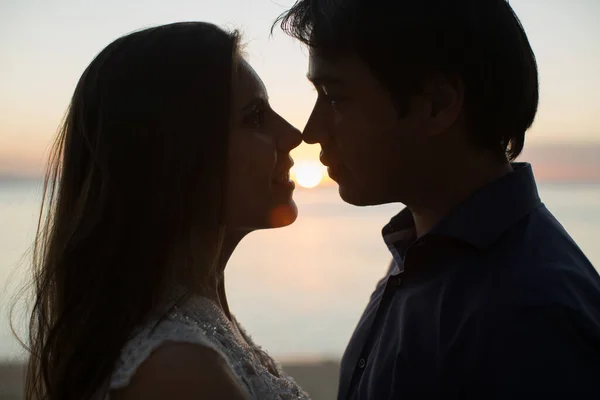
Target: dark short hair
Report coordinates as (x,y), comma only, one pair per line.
(407,41)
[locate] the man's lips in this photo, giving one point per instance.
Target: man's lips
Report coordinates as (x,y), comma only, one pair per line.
(332,171)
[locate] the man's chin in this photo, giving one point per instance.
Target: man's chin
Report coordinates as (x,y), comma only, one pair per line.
(360,198)
(352,196)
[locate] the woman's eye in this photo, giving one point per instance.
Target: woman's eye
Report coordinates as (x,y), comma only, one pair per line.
(256,118)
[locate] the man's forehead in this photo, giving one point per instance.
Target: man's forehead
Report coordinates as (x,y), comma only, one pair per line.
(324,68)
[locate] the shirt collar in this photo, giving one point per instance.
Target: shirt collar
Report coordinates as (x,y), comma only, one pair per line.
(398,235)
(482,218)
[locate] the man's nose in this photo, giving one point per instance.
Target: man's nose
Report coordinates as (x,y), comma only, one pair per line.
(315,129)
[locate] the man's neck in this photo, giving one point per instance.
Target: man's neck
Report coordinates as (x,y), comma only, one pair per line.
(452,187)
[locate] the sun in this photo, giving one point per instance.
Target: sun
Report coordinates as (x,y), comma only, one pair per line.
(308,174)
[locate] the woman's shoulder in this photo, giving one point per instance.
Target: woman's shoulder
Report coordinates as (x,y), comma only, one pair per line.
(157,335)
(182,370)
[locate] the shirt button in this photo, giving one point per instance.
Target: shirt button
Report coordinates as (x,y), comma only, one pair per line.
(362,363)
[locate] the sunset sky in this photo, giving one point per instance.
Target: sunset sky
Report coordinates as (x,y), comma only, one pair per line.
(46,45)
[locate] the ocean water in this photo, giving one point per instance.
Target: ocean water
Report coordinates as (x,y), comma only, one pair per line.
(300,290)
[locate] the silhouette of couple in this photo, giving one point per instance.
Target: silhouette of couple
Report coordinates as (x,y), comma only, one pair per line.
(170,155)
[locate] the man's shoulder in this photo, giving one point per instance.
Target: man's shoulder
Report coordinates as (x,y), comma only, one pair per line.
(547,284)
(539,244)
(540,277)
(547,237)
(537,263)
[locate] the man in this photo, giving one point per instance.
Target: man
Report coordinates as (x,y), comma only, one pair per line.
(426,102)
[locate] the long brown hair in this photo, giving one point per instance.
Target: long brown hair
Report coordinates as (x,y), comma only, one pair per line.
(136,174)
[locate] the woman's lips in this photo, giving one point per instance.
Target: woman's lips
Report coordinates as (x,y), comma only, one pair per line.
(282,179)
(281,175)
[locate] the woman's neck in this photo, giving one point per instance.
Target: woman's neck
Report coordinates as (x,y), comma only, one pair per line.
(230,241)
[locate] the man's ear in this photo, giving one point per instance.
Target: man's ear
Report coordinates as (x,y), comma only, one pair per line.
(445,95)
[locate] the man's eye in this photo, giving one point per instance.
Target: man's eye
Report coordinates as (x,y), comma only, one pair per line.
(333,100)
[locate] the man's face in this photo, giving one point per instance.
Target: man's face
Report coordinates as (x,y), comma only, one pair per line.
(370,150)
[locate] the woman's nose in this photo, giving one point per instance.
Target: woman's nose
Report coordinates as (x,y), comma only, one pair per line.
(290,137)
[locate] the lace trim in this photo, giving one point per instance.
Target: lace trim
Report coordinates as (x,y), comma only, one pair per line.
(200,321)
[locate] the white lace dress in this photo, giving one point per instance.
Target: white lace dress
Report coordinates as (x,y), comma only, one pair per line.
(201,321)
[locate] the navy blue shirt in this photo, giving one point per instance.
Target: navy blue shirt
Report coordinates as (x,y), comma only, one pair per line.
(495,302)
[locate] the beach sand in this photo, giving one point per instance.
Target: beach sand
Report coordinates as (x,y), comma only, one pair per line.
(318,378)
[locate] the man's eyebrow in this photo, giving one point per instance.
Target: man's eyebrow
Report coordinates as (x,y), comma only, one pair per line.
(325,79)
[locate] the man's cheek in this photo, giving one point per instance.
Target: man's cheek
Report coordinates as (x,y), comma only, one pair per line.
(338,119)
(344,124)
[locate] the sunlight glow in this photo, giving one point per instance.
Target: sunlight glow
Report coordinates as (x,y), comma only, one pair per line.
(308,173)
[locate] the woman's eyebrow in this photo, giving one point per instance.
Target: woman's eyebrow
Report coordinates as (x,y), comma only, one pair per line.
(259,101)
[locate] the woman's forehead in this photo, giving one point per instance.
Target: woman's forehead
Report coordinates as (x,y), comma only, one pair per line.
(249,86)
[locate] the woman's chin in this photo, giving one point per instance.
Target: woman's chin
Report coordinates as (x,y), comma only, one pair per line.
(283,215)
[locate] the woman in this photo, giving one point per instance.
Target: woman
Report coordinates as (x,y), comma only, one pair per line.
(169,155)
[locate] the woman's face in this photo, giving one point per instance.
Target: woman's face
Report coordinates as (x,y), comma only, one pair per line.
(259,188)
